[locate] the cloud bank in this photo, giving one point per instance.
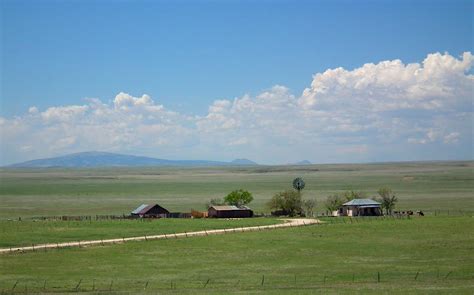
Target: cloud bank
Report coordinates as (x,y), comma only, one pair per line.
(378,112)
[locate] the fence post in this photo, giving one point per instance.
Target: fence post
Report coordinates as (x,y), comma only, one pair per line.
(78,284)
(14,285)
(206,283)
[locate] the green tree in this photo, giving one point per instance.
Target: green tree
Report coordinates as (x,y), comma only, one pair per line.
(288,202)
(334,202)
(239,198)
(387,199)
(308,207)
(351,195)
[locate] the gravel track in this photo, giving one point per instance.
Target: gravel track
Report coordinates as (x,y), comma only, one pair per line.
(288,223)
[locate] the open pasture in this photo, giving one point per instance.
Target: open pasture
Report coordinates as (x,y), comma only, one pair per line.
(431,254)
(417,255)
(27,233)
(427,186)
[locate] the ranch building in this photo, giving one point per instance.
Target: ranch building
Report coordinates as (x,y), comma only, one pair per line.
(150,211)
(229,212)
(359,207)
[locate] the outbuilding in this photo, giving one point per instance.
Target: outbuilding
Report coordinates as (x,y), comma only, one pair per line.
(150,211)
(229,212)
(360,207)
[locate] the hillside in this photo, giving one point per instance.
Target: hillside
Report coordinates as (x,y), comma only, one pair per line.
(104,159)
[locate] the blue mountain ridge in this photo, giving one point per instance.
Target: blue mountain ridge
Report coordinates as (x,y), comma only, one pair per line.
(105,159)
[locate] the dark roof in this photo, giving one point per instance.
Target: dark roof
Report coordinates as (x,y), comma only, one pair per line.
(144,208)
(362,202)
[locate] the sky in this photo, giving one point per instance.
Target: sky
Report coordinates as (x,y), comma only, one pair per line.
(272,81)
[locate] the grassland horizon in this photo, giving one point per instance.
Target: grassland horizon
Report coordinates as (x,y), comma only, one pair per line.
(427,186)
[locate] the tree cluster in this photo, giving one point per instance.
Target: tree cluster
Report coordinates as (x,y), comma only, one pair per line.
(291,203)
(237,198)
(334,202)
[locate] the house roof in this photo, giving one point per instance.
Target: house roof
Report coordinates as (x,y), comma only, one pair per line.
(361,202)
(229,208)
(144,208)
(139,209)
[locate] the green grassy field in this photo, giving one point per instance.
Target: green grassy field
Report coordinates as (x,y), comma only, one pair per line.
(418,255)
(46,192)
(26,233)
(431,254)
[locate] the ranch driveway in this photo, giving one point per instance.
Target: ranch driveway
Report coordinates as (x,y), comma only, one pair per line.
(288,223)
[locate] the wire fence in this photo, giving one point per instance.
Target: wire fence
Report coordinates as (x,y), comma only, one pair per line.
(48,246)
(90,218)
(258,281)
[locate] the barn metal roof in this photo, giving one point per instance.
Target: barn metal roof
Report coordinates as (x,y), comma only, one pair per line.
(229,208)
(139,209)
(362,202)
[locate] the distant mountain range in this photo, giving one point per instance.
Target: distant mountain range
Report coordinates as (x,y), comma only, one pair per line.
(304,162)
(103,159)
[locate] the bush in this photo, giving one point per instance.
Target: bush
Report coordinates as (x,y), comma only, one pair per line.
(287,202)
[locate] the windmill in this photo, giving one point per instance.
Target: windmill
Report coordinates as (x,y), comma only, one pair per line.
(298,184)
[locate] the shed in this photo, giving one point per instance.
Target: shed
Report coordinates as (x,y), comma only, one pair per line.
(361,207)
(145,210)
(229,212)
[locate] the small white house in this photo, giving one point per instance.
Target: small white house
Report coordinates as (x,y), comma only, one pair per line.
(360,207)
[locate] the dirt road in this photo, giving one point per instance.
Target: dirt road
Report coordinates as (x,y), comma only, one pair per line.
(288,223)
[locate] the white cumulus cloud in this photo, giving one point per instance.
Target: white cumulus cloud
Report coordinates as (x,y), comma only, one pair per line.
(387,110)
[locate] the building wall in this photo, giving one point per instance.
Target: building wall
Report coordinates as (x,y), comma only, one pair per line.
(355,211)
(230,213)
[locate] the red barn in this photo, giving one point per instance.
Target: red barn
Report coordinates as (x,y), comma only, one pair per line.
(229,212)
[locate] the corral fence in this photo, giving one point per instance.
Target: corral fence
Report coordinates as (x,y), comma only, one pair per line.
(405,213)
(322,279)
(360,219)
(107,217)
(199,214)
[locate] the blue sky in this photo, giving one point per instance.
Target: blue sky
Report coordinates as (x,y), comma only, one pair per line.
(186,55)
